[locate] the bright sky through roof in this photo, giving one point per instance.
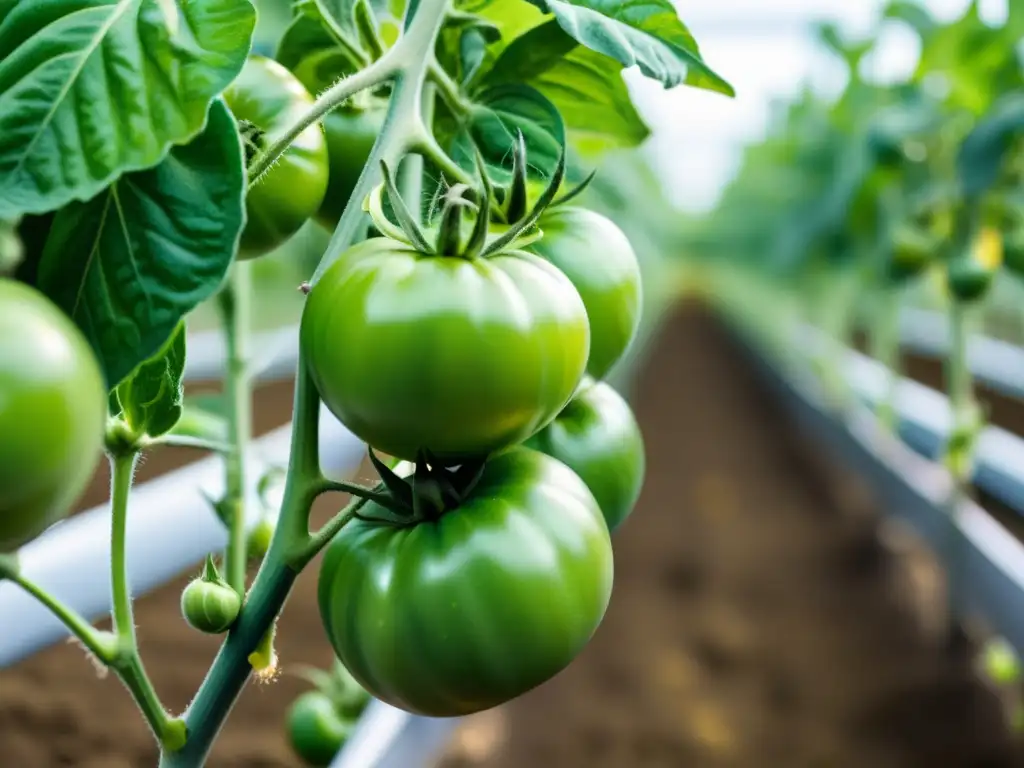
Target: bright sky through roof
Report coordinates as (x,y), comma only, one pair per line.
(766,49)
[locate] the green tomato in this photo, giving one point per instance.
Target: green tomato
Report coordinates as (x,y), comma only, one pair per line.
(460,357)
(597,437)
(913,251)
(968,280)
(210,606)
(316,730)
(598,259)
(53,410)
(258,540)
(350,138)
(271,98)
(463,613)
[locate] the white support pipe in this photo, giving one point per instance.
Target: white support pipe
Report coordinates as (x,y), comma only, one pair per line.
(170,528)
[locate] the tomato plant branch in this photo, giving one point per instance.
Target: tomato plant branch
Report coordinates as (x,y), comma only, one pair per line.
(235,305)
(170,440)
(327,532)
(403,129)
(231,668)
(354,489)
(377,73)
(448,89)
(100,643)
(126,662)
(960,445)
(122,467)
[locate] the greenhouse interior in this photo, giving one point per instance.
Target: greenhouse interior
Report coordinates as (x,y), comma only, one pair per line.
(511,383)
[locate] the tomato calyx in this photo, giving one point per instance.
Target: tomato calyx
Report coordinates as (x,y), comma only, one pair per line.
(449,236)
(431,490)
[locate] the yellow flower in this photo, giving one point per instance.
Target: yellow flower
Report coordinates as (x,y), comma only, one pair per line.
(988,248)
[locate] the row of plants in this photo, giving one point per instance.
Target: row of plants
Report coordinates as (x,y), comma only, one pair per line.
(461,321)
(887,195)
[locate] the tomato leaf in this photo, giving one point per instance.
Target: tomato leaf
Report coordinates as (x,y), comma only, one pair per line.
(981,155)
(495,118)
(584,85)
(203,417)
(131,262)
(93,89)
(151,395)
(647,34)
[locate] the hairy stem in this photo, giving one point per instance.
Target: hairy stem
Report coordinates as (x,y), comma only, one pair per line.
(122,468)
(231,668)
(101,644)
(235,305)
(126,661)
(187,441)
(377,73)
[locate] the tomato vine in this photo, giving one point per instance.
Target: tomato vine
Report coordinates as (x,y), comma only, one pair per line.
(162,211)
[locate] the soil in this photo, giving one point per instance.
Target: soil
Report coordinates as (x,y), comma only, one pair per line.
(754,623)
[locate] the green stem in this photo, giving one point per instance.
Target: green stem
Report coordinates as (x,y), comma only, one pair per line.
(101,644)
(353,489)
(122,468)
(377,73)
(959,454)
(424,143)
(231,668)
(186,441)
(403,128)
(448,89)
(126,662)
(235,304)
(328,531)
(885,347)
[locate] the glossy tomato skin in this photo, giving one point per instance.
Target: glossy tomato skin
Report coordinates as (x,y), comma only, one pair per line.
(597,437)
(285,197)
(53,409)
(458,615)
(316,730)
(968,280)
(597,258)
(459,357)
(350,137)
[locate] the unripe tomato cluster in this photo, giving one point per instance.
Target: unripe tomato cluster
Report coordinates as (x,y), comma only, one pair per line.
(492,361)
(316,174)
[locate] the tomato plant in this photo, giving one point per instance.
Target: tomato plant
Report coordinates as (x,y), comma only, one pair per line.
(453,323)
(464,621)
(267,99)
(52,412)
(884,182)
